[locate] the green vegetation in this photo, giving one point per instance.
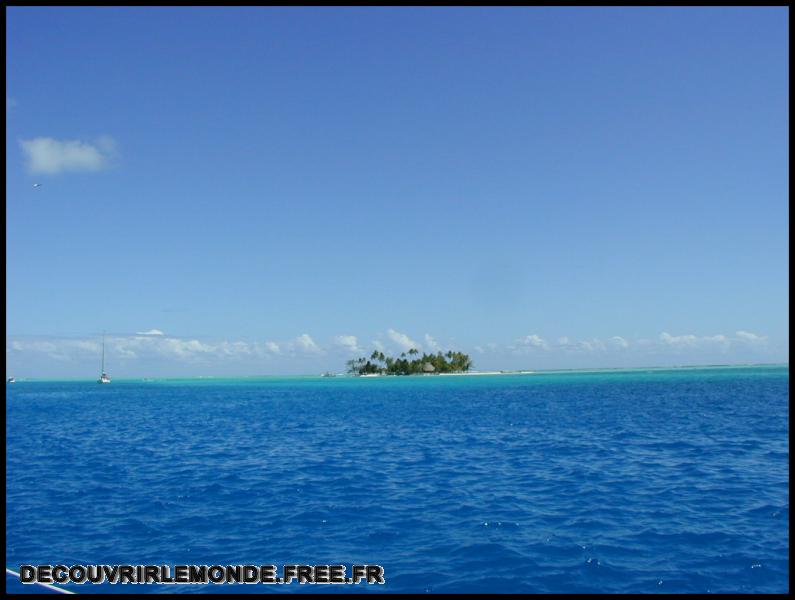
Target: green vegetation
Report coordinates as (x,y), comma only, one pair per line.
(380,364)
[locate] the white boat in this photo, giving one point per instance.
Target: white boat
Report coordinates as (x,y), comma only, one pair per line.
(104,377)
(10,380)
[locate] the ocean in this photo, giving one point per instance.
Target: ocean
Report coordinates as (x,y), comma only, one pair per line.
(619,481)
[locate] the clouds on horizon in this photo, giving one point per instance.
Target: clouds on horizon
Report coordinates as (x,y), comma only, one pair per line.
(305,343)
(403,341)
(665,341)
(431,344)
(533,341)
(751,338)
(49,156)
(691,340)
(155,345)
(348,342)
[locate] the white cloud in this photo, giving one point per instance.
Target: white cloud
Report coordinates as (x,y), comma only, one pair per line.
(134,347)
(751,338)
(307,344)
(234,348)
(431,343)
(58,349)
(619,342)
(678,340)
(534,341)
(401,339)
(43,347)
(692,341)
(591,345)
(349,342)
(50,156)
(303,344)
(155,346)
(179,348)
(158,347)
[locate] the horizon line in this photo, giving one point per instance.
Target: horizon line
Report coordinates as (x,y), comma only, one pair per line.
(431,375)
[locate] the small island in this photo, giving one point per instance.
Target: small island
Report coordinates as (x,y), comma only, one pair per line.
(409,363)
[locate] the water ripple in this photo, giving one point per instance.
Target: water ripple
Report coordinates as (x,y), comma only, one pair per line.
(658,482)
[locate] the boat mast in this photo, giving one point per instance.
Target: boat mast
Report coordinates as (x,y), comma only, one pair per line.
(103,352)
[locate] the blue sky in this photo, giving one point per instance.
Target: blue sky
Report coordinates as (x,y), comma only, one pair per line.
(272,190)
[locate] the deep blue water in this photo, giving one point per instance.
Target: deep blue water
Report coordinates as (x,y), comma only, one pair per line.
(659,481)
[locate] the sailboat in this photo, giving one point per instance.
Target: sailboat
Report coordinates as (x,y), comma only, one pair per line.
(104,377)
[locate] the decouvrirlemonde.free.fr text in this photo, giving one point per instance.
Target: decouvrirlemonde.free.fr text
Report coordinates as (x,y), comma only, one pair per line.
(201,574)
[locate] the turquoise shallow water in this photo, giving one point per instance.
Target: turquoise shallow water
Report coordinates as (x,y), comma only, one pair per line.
(642,480)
